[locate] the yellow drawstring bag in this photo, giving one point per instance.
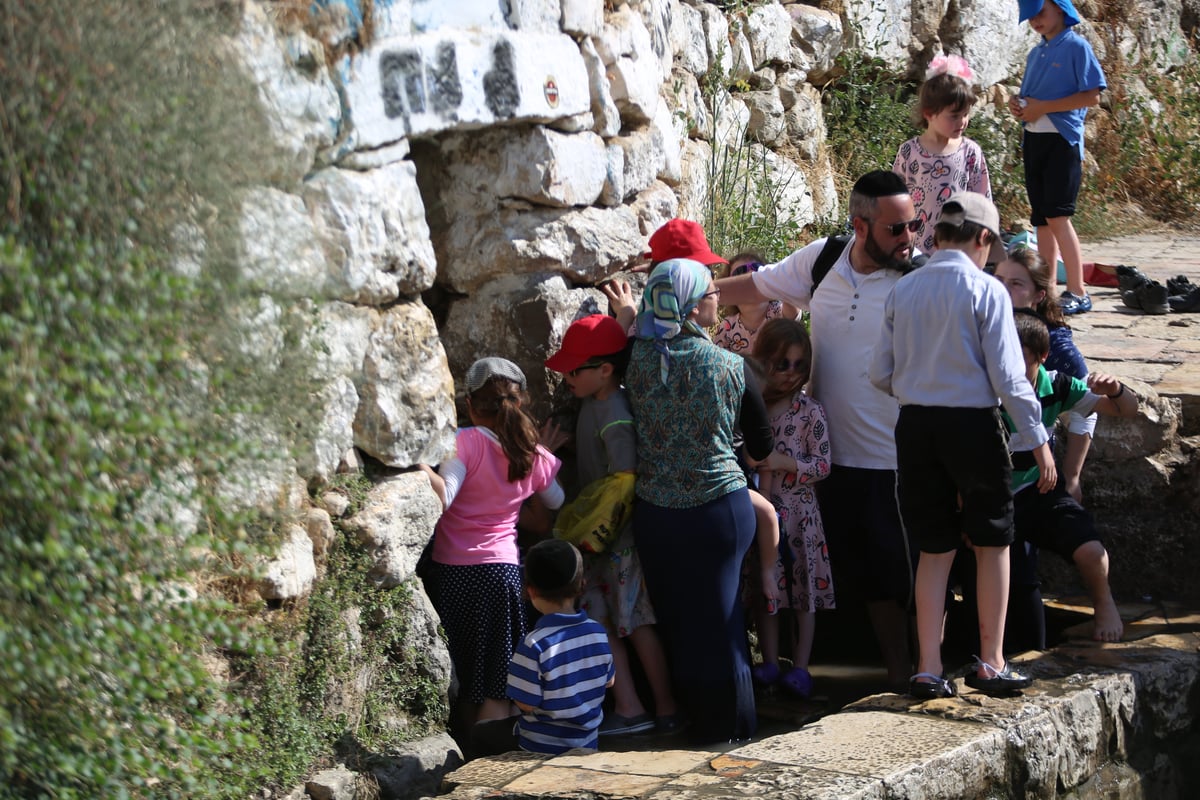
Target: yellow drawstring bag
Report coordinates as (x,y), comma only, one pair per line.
(593,519)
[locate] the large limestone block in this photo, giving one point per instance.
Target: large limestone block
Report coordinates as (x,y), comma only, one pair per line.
(551,168)
(741,58)
(338,339)
(692,52)
(806,123)
(435,15)
(585,244)
(817,36)
(582,17)
(372,229)
(299,100)
(395,524)
(670,132)
(278,246)
(769,29)
(654,207)
(634,70)
(537,16)
(693,190)
(325,438)
(517,316)
(642,160)
(425,84)
(658,17)
(687,104)
(716,36)
(989,37)
(767,122)
(405,415)
(291,573)
(415,769)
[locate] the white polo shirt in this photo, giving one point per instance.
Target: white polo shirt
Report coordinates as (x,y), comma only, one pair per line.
(847,312)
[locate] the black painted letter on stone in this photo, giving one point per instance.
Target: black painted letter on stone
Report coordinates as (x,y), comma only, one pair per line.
(403,86)
(446,91)
(500,83)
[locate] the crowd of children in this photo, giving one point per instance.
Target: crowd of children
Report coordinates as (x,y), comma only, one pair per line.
(950,354)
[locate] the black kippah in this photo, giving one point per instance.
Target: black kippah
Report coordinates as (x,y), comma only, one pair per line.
(552,565)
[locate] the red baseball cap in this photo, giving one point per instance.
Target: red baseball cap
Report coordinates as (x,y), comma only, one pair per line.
(593,336)
(682,238)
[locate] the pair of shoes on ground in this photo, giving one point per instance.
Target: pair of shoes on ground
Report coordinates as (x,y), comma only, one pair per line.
(1182,294)
(997,681)
(1140,292)
(1074,304)
(796,681)
(616,725)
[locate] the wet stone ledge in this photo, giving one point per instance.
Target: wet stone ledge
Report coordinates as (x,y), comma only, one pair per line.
(1113,721)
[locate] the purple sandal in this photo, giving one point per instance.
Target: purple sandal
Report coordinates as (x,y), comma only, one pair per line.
(765,674)
(797,681)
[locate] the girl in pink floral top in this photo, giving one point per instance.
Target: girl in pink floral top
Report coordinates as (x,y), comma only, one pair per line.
(736,332)
(801,458)
(941,161)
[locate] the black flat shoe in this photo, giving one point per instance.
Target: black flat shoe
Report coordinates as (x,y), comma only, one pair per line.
(1003,681)
(927,686)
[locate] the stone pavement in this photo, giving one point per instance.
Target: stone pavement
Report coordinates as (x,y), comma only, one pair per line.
(1102,720)
(1161,351)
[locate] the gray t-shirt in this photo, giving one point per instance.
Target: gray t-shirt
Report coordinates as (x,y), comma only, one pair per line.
(605,441)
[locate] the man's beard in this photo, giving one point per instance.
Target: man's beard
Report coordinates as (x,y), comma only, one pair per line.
(884,259)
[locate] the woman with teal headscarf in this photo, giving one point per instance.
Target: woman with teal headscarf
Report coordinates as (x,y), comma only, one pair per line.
(694,521)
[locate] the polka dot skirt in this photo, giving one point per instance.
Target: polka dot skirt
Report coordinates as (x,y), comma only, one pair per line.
(484,619)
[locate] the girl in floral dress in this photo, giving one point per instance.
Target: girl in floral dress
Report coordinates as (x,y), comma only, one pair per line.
(736,332)
(942,161)
(800,458)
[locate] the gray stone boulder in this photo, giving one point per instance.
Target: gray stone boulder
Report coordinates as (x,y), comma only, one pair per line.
(395,524)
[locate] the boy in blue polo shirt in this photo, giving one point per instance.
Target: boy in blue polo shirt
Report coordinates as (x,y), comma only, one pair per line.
(1062,80)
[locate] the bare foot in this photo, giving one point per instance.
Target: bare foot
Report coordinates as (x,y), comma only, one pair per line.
(1107,624)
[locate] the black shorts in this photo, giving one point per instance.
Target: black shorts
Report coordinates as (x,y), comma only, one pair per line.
(1053,173)
(1053,521)
(869,549)
(945,454)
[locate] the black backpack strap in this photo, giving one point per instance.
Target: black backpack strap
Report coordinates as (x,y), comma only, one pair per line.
(828,256)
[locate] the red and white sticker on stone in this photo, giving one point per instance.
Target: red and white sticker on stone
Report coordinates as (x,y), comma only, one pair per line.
(550,87)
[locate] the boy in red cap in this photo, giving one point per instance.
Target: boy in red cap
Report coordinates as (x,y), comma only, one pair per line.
(592,359)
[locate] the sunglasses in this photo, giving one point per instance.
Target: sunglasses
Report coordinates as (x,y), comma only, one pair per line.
(897,228)
(742,269)
(591,365)
(783,365)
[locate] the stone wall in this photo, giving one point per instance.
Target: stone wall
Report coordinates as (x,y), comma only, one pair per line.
(496,160)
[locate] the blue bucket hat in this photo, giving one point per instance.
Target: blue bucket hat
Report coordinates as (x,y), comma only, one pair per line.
(1030,8)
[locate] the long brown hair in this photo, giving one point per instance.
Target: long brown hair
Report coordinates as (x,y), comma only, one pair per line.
(774,339)
(1043,278)
(499,405)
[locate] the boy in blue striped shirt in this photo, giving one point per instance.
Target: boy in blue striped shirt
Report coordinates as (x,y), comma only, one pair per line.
(558,674)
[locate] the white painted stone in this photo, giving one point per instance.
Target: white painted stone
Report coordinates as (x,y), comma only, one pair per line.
(404,413)
(817,35)
(688,27)
(299,101)
(769,29)
(582,17)
(395,524)
(393,18)
(291,573)
(553,169)
(373,232)
(535,16)
(605,114)
(437,15)
(716,35)
(319,448)
(441,81)
(278,247)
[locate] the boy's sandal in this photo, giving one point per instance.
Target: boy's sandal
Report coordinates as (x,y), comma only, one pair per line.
(998,681)
(927,686)
(765,674)
(797,681)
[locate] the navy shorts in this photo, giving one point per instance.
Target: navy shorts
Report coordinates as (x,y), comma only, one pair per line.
(945,454)
(869,549)
(1052,521)
(1053,173)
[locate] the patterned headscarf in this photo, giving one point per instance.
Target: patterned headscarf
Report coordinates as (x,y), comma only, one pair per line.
(673,289)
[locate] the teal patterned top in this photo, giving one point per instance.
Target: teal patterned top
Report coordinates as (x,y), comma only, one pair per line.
(685,426)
